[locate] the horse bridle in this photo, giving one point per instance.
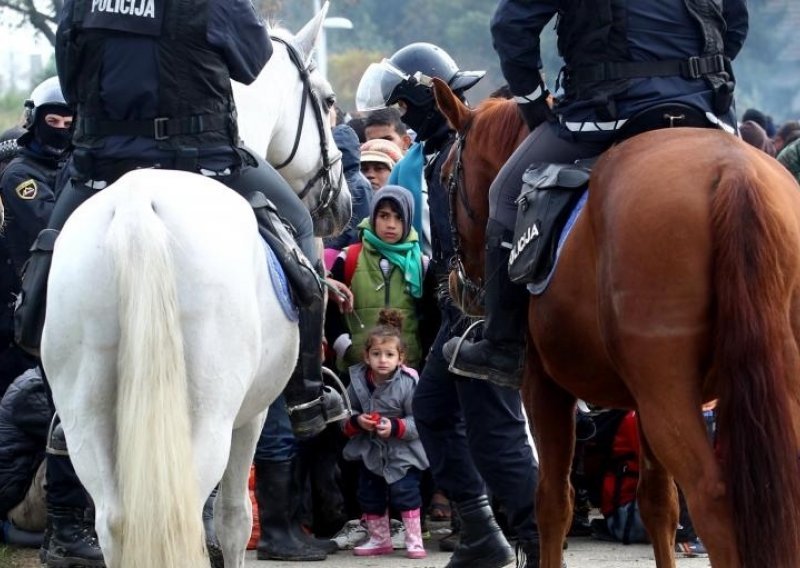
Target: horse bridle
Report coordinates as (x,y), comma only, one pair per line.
(456,192)
(330,191)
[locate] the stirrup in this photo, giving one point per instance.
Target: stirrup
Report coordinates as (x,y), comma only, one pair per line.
(451,364)
(320,401)
(347,412)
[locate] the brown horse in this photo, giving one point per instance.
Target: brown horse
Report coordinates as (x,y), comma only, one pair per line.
(680,283)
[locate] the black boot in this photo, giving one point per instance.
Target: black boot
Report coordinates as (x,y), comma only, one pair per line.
(310,404)
(499,356)
(31,302)
(298,490)
(482,542)
(273,493)
(212,542)
(72,540)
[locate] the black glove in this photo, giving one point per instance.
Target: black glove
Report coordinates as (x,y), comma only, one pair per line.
(536,112)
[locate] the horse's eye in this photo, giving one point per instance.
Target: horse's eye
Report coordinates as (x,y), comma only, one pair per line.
(330,101)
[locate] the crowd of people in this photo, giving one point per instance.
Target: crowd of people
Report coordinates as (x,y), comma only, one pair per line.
(423,442)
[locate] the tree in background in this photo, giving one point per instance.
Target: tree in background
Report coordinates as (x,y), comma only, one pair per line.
(41,15)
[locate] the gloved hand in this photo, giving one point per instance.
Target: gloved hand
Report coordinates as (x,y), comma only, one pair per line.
(536,112)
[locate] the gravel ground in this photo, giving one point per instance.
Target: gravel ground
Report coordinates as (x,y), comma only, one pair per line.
(582,553)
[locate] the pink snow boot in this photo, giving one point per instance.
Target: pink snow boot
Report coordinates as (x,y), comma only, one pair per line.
(414,548)
(380,538)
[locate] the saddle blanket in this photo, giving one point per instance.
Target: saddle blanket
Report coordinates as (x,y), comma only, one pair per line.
(537,288)
(281,285)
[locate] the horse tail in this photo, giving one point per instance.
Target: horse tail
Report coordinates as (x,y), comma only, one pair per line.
(162,523)
(755,264)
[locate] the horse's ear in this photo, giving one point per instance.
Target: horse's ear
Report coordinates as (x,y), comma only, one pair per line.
(306,39)
(455,111)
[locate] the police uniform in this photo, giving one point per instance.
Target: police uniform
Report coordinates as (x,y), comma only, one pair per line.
(150,81)
(621,58)
(27,187)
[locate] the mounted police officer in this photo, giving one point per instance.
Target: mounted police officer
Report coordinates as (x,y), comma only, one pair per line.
(471,430)
(29,185)
(151,84)
(629,67)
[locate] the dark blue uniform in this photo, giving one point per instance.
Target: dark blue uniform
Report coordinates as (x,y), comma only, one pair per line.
(654,40)
(151,87)
(27,188)
(472,431)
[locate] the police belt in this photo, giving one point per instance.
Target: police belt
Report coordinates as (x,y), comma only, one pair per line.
(156,128)
(692,68)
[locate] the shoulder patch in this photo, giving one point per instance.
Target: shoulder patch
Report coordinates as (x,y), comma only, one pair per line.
(27,189)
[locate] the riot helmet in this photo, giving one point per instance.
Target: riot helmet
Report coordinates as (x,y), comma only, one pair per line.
(406,79)
(45,100)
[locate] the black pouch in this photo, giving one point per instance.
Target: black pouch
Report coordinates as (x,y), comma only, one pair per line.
(549,194)
(31,304)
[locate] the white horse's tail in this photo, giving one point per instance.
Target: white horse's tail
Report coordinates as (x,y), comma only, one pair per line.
(162,525)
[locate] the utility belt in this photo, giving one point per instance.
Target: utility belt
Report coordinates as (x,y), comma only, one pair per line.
(715,69)
(692,68)
(161,128)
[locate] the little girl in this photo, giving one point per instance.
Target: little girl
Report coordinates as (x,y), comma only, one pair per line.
(383,437)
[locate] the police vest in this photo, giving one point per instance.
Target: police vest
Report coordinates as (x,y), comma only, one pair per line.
(592,40)
(195,99)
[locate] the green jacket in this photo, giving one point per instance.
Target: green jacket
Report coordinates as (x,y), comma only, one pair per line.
(372,291)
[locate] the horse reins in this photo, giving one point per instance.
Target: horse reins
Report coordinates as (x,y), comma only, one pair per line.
(330,191)
(456,192)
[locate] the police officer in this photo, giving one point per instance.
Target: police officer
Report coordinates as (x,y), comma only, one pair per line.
(151,83)
(471,430)
(622,60)
(28,187)
(13,360)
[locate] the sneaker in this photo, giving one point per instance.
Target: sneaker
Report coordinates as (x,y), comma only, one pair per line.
(692,548)
(352,534)
(398,532)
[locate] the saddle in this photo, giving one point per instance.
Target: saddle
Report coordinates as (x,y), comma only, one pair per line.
(552,193)
(549,195)
(303,277)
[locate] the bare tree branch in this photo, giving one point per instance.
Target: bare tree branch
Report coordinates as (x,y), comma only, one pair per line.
(43,21)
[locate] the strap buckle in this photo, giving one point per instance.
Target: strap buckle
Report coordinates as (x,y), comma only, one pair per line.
(694,67)
(160,128)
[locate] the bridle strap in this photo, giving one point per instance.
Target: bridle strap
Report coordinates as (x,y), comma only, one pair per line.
(457,192)
(330,191)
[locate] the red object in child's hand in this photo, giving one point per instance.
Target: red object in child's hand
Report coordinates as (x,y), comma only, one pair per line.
(373,416)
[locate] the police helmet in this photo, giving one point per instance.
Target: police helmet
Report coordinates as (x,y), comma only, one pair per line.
(407,76)
(46,94)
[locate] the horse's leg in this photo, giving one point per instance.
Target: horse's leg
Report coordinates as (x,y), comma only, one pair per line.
(84,389)
(673,425)
(233,513)
(552,411)
(658,503)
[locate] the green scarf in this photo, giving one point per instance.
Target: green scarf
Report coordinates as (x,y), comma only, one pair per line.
(405,255)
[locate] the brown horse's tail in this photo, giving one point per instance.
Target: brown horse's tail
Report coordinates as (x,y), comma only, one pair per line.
(755,266)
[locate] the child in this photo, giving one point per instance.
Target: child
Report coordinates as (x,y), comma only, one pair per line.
(385,270)
(383,437)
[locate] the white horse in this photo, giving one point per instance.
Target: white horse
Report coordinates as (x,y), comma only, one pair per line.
(164,341)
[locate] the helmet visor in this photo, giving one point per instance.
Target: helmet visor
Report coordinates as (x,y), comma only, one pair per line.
(378,85)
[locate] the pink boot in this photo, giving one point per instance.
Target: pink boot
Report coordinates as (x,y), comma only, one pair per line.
(414,548)
(380,538)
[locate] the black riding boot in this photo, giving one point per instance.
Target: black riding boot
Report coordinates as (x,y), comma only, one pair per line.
(273,493)
(482,542)
(499,356)
(72,540)
(310,404)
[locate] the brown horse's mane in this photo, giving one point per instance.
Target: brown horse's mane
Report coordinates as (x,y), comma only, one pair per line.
(501,125)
